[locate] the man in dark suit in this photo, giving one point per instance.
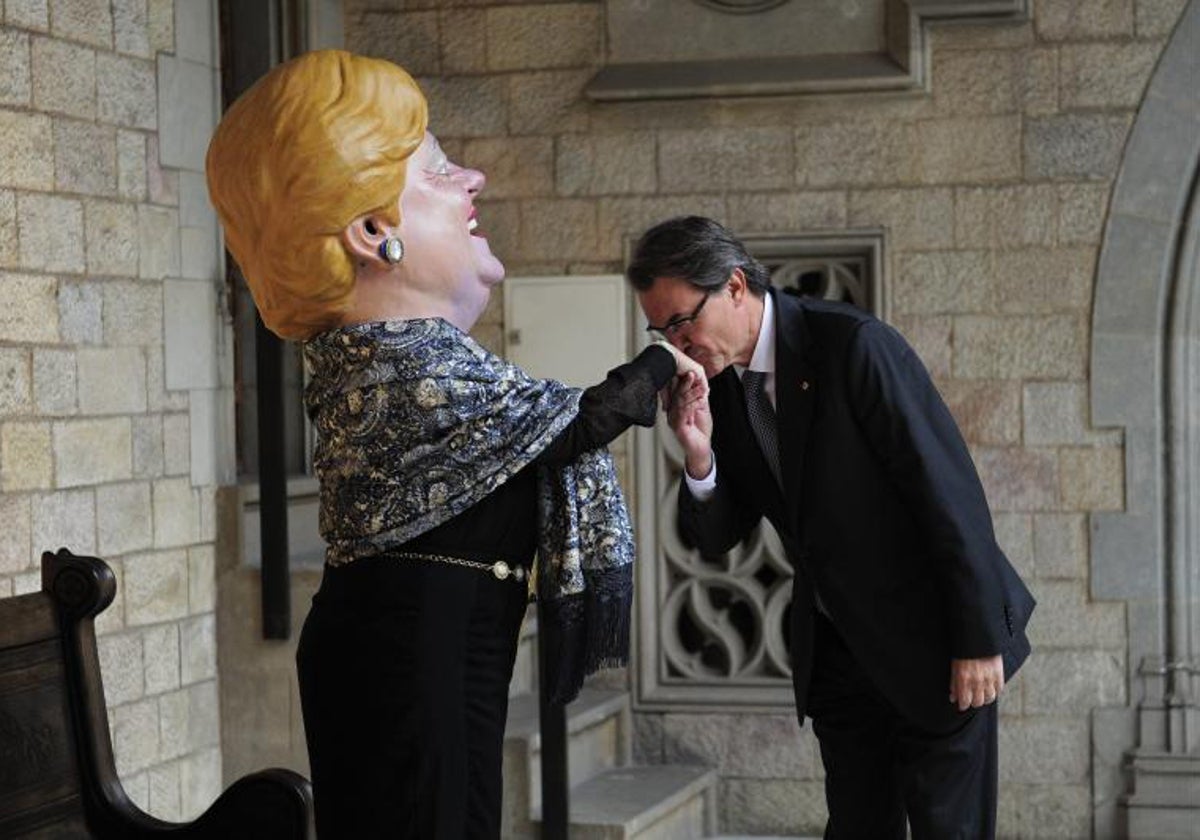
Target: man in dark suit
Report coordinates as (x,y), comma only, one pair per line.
(906,617)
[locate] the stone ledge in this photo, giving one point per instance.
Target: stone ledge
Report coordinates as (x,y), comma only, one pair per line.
(749,77)
(901,65)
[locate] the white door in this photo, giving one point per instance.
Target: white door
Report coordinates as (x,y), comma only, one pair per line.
(573,329)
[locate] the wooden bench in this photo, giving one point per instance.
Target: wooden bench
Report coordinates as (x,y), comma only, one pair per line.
(57,777)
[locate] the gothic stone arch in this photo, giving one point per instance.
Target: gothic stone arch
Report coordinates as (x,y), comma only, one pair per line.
(1145,377)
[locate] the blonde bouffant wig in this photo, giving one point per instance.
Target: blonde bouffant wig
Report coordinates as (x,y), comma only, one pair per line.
(319,141)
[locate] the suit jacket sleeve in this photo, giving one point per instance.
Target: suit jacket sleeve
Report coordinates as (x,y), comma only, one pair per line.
(915,437)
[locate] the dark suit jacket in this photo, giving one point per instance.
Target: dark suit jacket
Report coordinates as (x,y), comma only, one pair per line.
(881,508)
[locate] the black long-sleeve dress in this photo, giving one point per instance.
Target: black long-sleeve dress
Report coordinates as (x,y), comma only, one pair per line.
(404,665)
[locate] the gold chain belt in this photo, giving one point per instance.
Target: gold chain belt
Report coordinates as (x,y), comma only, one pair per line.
(501,570)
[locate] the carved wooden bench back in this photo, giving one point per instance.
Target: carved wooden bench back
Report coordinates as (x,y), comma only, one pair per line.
(40,785)
(57,777)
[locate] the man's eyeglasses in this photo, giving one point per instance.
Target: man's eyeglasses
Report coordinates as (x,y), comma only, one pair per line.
(672,327)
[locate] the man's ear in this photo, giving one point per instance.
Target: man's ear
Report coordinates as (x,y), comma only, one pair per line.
(738,285)
(363,236)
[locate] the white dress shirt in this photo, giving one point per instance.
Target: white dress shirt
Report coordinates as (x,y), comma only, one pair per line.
(763,359)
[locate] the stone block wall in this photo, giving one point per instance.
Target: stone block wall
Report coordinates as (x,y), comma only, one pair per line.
(993,188)
(261,721)
(112,405)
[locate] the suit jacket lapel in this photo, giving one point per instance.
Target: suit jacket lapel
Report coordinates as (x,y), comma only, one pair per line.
(795,392)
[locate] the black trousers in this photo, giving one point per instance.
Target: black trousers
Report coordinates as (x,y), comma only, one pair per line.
(404,669)
(880,769)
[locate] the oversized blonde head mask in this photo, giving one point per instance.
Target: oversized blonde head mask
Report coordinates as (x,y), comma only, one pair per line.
(317,142)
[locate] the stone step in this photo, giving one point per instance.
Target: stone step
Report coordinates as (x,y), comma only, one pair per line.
(663,802)
(593,707)
(599,737)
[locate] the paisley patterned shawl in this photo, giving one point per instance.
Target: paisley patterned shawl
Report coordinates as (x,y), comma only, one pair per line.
(416,422)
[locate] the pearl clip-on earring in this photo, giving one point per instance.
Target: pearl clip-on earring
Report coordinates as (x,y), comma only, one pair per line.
(391,250)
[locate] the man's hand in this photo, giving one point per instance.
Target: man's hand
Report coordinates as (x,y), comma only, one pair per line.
(686,402)
(688,372)
(976,682)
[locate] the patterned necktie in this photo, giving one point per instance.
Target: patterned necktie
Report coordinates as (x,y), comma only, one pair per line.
(762,419)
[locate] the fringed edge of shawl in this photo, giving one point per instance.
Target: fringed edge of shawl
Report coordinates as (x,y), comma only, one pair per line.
(587,631)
